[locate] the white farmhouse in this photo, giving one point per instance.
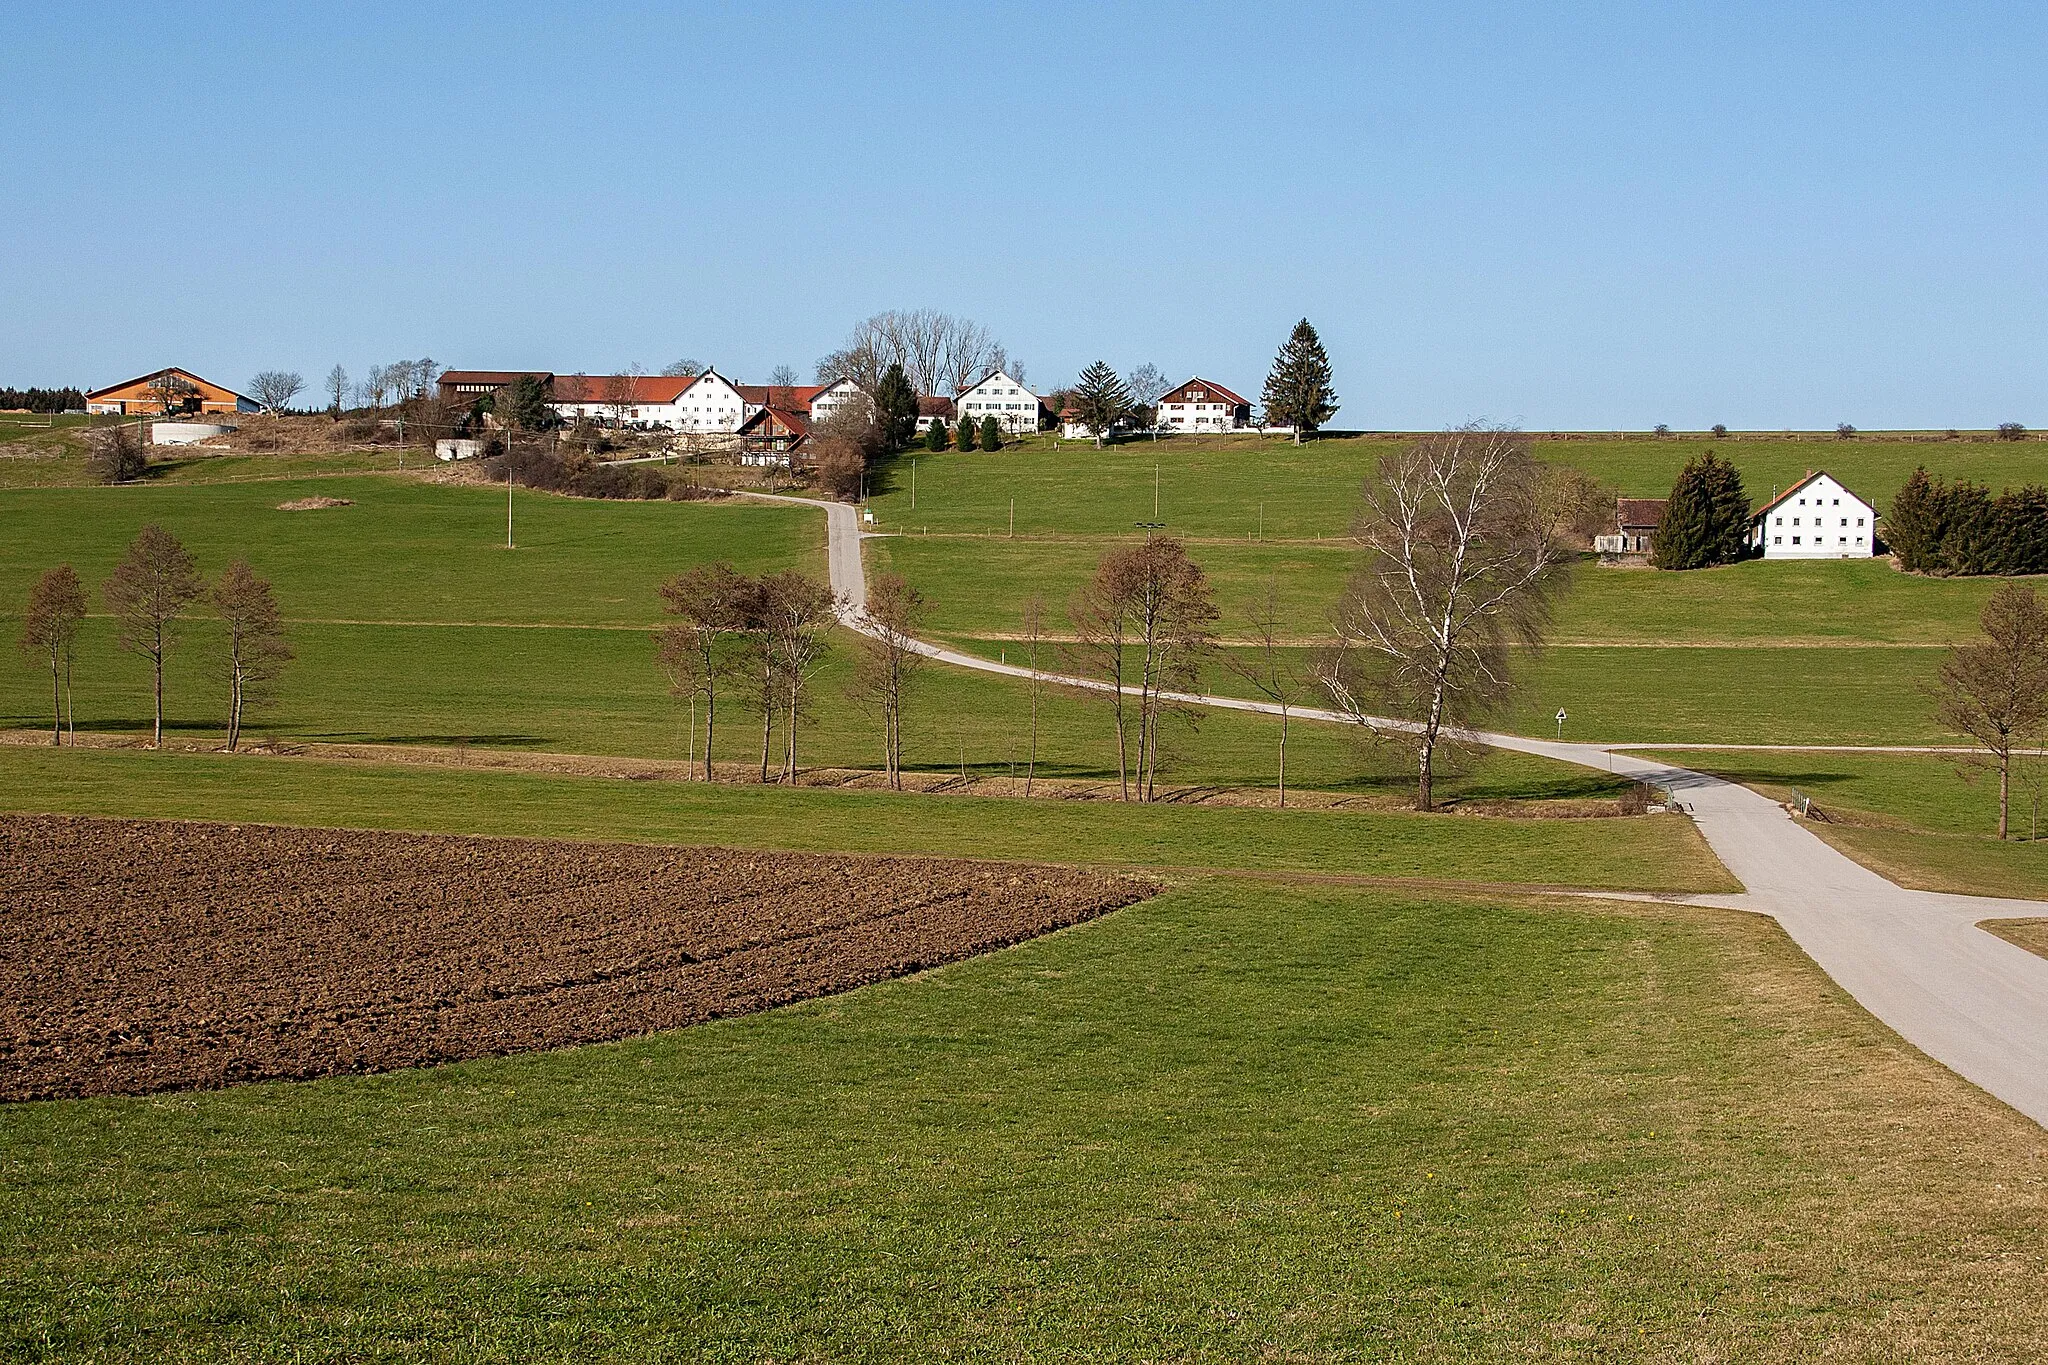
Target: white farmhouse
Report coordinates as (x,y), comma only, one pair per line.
(1816,518)
(713,403)
(1200,406)
(639,400)
(1014,407)
(830,398)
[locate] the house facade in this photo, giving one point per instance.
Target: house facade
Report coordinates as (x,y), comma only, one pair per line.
(1816,518)
(167,392)
(634,400)
(1199,406)
(935,409)
(1014,407)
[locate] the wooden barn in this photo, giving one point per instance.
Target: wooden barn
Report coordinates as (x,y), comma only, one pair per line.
(167,393)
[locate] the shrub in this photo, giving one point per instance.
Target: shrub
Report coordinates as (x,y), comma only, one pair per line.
(115,455)
(964,438)
(1845,432)
(991,434)
(1661,429)
(2011,431)
(1962,528)
(1719,429)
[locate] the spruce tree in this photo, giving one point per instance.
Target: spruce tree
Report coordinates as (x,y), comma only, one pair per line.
(896,408)
(991,434)
(1706,521)
(1298,390)
(1913,525)
(964,438)
(935,434)
(1101,400)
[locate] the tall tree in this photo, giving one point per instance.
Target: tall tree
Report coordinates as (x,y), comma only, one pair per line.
(963,438)
(1146,385)
(621,394)
(337,389)
(940,354)
(1034,638)
(797,609)
(1101,400)
(147,593)
(1996,691)
(172,392)
(896,408)
(678,368)
(256,649)
(991,433)
(49,634)
(712,602)
(889,661)
(1461,553)
(1298,392)
(783,377)
(524,404)
(1706,519)
(275,389)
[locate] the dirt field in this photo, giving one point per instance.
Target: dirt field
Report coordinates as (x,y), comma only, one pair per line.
(146,956)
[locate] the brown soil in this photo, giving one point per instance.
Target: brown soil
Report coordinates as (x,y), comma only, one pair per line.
(314,504)
(142,956)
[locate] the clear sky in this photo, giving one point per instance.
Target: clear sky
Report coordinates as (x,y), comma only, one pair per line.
(1563,215)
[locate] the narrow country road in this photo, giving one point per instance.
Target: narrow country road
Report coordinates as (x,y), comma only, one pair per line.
(1915,959)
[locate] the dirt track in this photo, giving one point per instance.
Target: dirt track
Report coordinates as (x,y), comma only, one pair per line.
(146,956)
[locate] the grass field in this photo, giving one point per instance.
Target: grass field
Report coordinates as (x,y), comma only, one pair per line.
(1924,820)
(1240,1121)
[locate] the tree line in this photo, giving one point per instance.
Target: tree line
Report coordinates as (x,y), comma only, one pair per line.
(43,400)
(1938,527)
(149,594)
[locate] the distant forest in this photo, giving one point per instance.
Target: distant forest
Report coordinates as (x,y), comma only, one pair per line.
(43,400)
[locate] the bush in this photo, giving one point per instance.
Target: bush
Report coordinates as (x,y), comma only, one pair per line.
(2011,431)
(580,476)
(1719,429)
(1962,528)
(1661,429)
(964,438)
(115,454)
(1845,432)
(991,434)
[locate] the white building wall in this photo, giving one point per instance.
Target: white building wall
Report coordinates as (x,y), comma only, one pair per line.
(1823,520)
(712,404)
(1196,417)
(1014,407)
(834,397)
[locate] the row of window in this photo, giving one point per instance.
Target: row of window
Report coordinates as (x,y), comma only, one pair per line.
(1780,521)
(1820,541)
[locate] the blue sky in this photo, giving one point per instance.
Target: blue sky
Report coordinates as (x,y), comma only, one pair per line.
(1564,215)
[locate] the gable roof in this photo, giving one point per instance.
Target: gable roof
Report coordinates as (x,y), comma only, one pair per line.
(1210,390)
(495,378)
(780,395)
(600,388)
(181,372)
(995,374)
(933,406)
(1811,476)
(1639,511)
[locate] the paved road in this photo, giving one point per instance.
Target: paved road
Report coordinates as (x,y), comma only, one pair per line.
(1915,959)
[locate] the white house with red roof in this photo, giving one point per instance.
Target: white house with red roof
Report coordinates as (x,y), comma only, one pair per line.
(635,399)
(1200,406)
(1014,407)
(1816,518)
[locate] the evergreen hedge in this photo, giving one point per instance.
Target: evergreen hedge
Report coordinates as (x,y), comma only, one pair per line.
(1936,527)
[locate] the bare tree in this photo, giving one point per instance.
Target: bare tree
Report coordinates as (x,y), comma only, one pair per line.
(783,377)
(889,661)
(49,633)
(1996,691)
(377,386)
(712,601)
(115,454)
(1034,636)
(147,593)
(859,362)
(1145,384)
(622,394)
(256,651)
(1151,600)
(1461,556)
(1268,669)
(275,389)
(337,390)
(940,353)
(679,368)
(172,391)
(796,609)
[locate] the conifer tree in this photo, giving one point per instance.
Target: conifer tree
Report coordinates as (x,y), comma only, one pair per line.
(896,408)
(1707,519)
(1913,525)
(1101,400)
(935,434)
(991,434)
(964,438)
(1298,390)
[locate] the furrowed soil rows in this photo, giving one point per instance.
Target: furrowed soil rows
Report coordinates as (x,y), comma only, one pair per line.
(171,955)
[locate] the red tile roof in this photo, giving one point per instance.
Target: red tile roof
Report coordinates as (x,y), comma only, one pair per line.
(1210,393)
(600,388)
(781,395)
(1811,475)
(935,407)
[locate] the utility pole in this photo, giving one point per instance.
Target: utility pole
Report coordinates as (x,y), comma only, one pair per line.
(913,483)
(1013,518)
(1155,492)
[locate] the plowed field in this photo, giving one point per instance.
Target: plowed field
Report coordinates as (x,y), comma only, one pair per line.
(167,955)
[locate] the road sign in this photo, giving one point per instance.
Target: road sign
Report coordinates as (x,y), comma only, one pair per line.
(1561,718)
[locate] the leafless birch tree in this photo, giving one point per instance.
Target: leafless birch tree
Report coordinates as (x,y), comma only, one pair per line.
(49,634)
(888,662)
(1461,553)
(256,650)
(147,593)
(1268,669)
(712,601)
(1034,638)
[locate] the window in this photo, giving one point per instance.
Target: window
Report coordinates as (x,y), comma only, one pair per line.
(1837,502)
(1795,540)
(1777,540)
(1859,522)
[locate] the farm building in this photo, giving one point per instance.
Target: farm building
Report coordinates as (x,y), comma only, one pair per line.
(466,386)
(707,402)
(776,427)
(1014,407)
(930,410)
(167,392)
(1199,406)
(1816,518)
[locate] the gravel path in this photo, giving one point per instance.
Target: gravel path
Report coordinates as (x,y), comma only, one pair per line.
(1915,959)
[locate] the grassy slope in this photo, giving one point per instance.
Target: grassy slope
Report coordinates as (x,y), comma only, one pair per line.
(1240,1121)
(1656,853)
(1913,817)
